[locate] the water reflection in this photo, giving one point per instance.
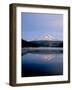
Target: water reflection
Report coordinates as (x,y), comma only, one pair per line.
(42,62)
(48,56)
(42,50)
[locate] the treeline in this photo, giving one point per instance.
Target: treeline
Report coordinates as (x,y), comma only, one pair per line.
(42,43)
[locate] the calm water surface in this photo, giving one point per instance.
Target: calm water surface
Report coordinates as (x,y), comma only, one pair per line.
(41,63)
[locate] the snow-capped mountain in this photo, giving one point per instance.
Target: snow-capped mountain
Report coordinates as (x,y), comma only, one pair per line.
(47,37)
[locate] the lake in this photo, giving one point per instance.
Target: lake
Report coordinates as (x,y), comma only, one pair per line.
(42,62)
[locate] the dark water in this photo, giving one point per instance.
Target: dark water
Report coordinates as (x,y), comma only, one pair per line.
(42,63)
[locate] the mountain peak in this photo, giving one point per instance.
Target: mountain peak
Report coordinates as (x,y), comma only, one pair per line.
(47,37)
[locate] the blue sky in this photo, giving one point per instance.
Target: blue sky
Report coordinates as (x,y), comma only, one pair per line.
(35,25)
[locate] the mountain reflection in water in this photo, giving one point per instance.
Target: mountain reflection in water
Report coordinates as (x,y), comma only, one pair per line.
(42,62)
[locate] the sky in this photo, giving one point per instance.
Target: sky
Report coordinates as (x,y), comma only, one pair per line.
(36,26)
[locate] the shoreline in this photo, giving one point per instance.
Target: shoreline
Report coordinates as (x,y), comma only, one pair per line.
(42,50)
